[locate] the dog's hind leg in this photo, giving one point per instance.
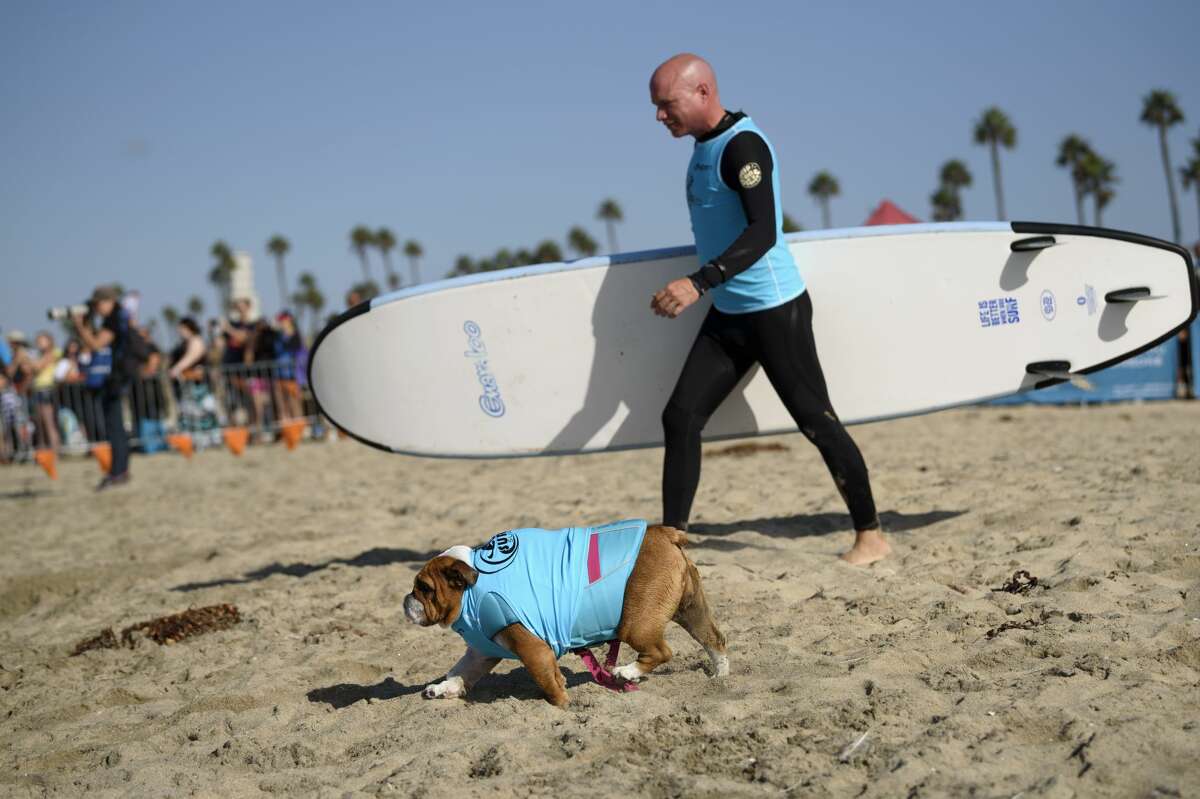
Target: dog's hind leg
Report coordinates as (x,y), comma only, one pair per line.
(652,652)
(651,597)
(694,616)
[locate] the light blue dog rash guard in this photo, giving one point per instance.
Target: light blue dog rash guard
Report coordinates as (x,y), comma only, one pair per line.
(566,586)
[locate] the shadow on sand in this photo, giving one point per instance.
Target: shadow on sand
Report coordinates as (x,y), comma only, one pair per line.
(815,524)
(379,556)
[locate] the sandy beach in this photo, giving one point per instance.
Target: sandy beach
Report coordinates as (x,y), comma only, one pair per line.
(1086,684)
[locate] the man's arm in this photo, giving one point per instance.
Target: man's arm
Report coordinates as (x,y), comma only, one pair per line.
(746,168)
(93,341)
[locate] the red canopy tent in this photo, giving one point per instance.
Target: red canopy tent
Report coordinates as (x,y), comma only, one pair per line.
(888,213)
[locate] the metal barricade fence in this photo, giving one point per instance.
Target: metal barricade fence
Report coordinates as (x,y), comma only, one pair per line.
(261,397)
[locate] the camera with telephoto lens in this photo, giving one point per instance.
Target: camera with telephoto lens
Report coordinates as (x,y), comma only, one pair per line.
(67,311)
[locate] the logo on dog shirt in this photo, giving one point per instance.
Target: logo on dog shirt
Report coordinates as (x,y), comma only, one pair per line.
(497,553)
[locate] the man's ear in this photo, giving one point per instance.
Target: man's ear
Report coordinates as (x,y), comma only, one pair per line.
(460,576)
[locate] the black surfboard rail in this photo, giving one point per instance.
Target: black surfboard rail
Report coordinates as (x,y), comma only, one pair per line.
(344,316)
(1053,229)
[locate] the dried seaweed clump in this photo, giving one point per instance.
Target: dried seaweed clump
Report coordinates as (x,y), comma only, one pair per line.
(1022,582)
(167,630)
(105,640)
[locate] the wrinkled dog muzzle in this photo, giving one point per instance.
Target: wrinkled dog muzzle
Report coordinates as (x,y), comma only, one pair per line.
(414,611)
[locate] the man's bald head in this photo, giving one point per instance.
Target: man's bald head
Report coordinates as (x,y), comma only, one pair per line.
(684,92)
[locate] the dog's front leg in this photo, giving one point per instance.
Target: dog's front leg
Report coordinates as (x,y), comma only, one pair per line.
(462,676)
(538,658)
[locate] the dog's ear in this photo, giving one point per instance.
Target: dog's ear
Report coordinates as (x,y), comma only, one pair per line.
(460,576)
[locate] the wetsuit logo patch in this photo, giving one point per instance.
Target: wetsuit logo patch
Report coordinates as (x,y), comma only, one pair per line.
(497,553)
(750,175)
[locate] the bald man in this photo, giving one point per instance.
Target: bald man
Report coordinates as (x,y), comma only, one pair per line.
(761,312)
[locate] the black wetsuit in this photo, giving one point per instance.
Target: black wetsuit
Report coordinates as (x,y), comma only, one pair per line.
(728,345)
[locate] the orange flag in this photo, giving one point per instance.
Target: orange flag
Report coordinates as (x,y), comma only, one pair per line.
(236,439)
(102,452)
(292,432)
(48,460)
(181,442)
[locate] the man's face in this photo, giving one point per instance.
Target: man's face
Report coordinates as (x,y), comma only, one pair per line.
(105,307)
(679,106)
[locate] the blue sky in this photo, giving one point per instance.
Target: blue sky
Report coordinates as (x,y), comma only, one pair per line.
(137,133)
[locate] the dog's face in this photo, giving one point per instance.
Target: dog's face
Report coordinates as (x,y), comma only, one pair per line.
(437,591)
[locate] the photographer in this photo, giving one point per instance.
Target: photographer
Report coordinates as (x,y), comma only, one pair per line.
(113,335)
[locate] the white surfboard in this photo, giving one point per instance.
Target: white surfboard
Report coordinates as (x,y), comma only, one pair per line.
(908,319)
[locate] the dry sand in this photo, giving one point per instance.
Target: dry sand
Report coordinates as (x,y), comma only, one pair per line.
(1088,685)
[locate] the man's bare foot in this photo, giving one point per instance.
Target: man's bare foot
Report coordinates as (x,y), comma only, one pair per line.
(869,546)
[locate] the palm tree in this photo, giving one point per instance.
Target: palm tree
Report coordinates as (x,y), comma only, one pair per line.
(610,212)
(1098,175)
(955,176)
(791,225)
(221,273)
(413,251)
(547,252)
(170,316)
(310,298)
(1071,152)
(195,305)
(995,130)
(1191,174)
(579,241)
(463,265)
(278,246)
(366,290)
(946,205)
(361,240)
(385,242)
(822,187)
(1160,110)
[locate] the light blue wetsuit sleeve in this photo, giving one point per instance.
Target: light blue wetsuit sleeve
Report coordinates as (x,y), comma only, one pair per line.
(495,614)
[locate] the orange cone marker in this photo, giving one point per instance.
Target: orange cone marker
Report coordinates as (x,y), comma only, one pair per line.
(48,460)
(292,432)
(181,442)
(102,452)
(236,439)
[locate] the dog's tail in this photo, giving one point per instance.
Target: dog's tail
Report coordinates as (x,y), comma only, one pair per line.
(676,537)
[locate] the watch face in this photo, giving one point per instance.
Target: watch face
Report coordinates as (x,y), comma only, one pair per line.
(750,175)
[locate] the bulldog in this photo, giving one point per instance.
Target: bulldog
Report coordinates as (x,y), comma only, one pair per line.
(534,595)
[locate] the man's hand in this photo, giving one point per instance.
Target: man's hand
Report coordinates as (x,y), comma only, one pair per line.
(674,298)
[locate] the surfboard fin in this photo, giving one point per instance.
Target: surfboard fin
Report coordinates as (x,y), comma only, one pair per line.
(1032,244)
(1135,294)
(1059,370)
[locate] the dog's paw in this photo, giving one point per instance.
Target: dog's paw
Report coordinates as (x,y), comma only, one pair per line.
(630,672)
(446,689)
(720,666)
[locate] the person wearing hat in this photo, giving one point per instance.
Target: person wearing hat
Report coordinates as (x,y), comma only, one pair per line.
(112,334)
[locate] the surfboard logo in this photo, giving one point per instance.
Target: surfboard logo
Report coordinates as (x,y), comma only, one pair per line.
(1049,306)
(1000,311)
(490,401)
(1087,299)
(497,553)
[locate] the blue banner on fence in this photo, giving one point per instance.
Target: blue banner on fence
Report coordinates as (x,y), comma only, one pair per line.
(1149,376)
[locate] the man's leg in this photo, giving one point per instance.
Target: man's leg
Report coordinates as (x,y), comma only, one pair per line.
(788,353)
(712,370)
(114,426)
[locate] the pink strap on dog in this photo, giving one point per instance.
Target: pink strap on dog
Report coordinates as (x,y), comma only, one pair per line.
(603,674)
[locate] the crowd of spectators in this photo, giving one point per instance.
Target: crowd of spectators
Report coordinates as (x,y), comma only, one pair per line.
(236,370)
